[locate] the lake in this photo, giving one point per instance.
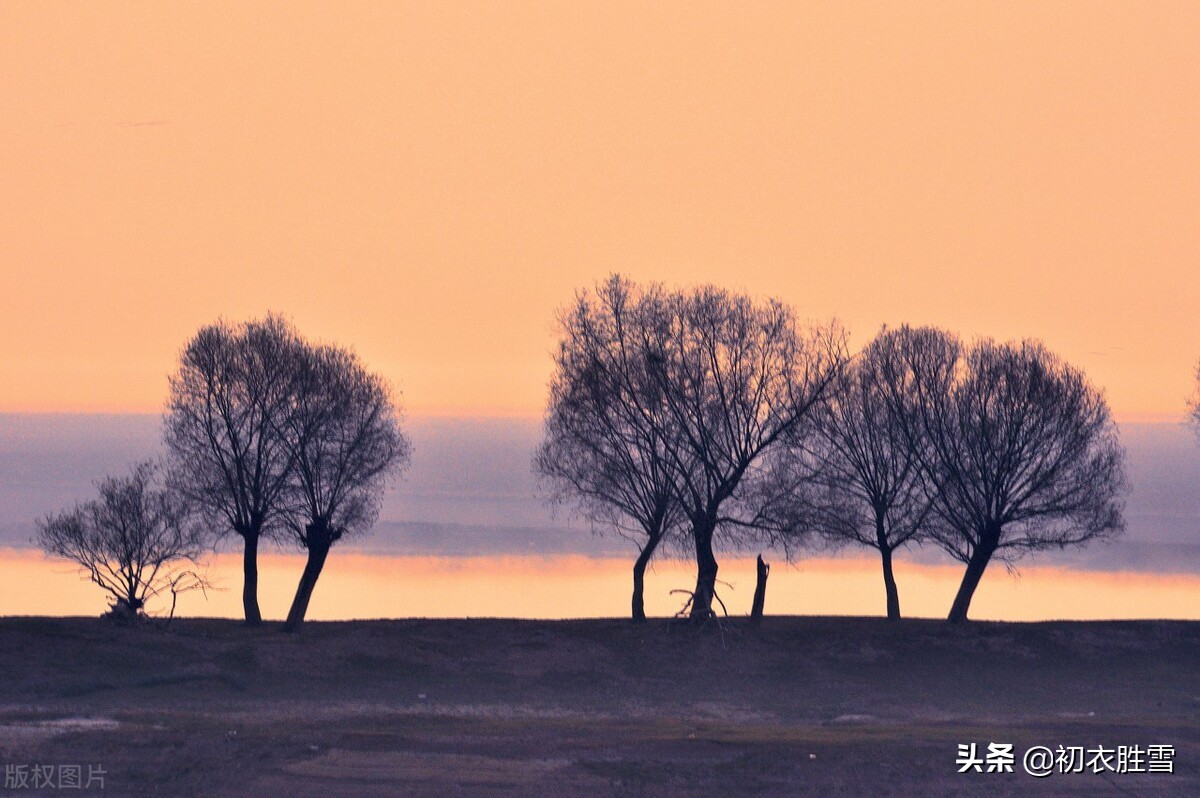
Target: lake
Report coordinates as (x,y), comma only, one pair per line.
(467,533)
(357,585)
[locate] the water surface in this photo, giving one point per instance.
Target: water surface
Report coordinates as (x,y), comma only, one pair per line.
(357,585)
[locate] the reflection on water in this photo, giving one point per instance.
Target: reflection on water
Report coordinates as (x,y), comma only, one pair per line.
(371,586)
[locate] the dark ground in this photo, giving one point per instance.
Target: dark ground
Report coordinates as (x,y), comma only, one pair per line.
(803,706)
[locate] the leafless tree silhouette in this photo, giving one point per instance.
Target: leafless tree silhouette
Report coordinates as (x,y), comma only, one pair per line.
(736,376)
(606,432)
(343,440)
(134,541)
(1194,404)
(1020,446)
(868,487)
(227,399)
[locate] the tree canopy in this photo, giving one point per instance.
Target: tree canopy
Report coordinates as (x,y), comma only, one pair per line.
(135,540)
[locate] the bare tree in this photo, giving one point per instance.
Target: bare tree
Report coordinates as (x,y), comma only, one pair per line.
(869,488)
(344,443)
(736,377)
(134,540)
(1194,403)
(606,434)
(1021,447)
(227,400)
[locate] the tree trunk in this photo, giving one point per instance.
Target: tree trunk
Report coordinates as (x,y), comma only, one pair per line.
(318,550)
(706,570)
(975,568)
(889,584)
(760,592)
(639,578)
(250,584)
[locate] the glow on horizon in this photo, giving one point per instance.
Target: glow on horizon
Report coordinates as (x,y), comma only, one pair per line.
(358,586)
(430,182)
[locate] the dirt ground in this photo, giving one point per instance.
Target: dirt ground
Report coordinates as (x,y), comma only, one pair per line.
(802,706)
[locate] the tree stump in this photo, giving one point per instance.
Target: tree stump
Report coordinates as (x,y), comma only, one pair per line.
(760,592)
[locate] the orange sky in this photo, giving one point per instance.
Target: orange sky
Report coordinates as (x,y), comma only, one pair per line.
(430,181)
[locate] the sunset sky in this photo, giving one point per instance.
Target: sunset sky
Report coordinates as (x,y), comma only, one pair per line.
(430,181)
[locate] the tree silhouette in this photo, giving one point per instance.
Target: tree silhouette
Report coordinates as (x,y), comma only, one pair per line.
(1194,403)
(736,376)
(868,487)
(1020,446)
(606,432)
(228,398)
(342,436)
(134,540)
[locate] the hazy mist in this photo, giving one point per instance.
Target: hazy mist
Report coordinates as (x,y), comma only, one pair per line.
(470,491)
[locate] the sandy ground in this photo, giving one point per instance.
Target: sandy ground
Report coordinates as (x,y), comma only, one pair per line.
(802,706)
